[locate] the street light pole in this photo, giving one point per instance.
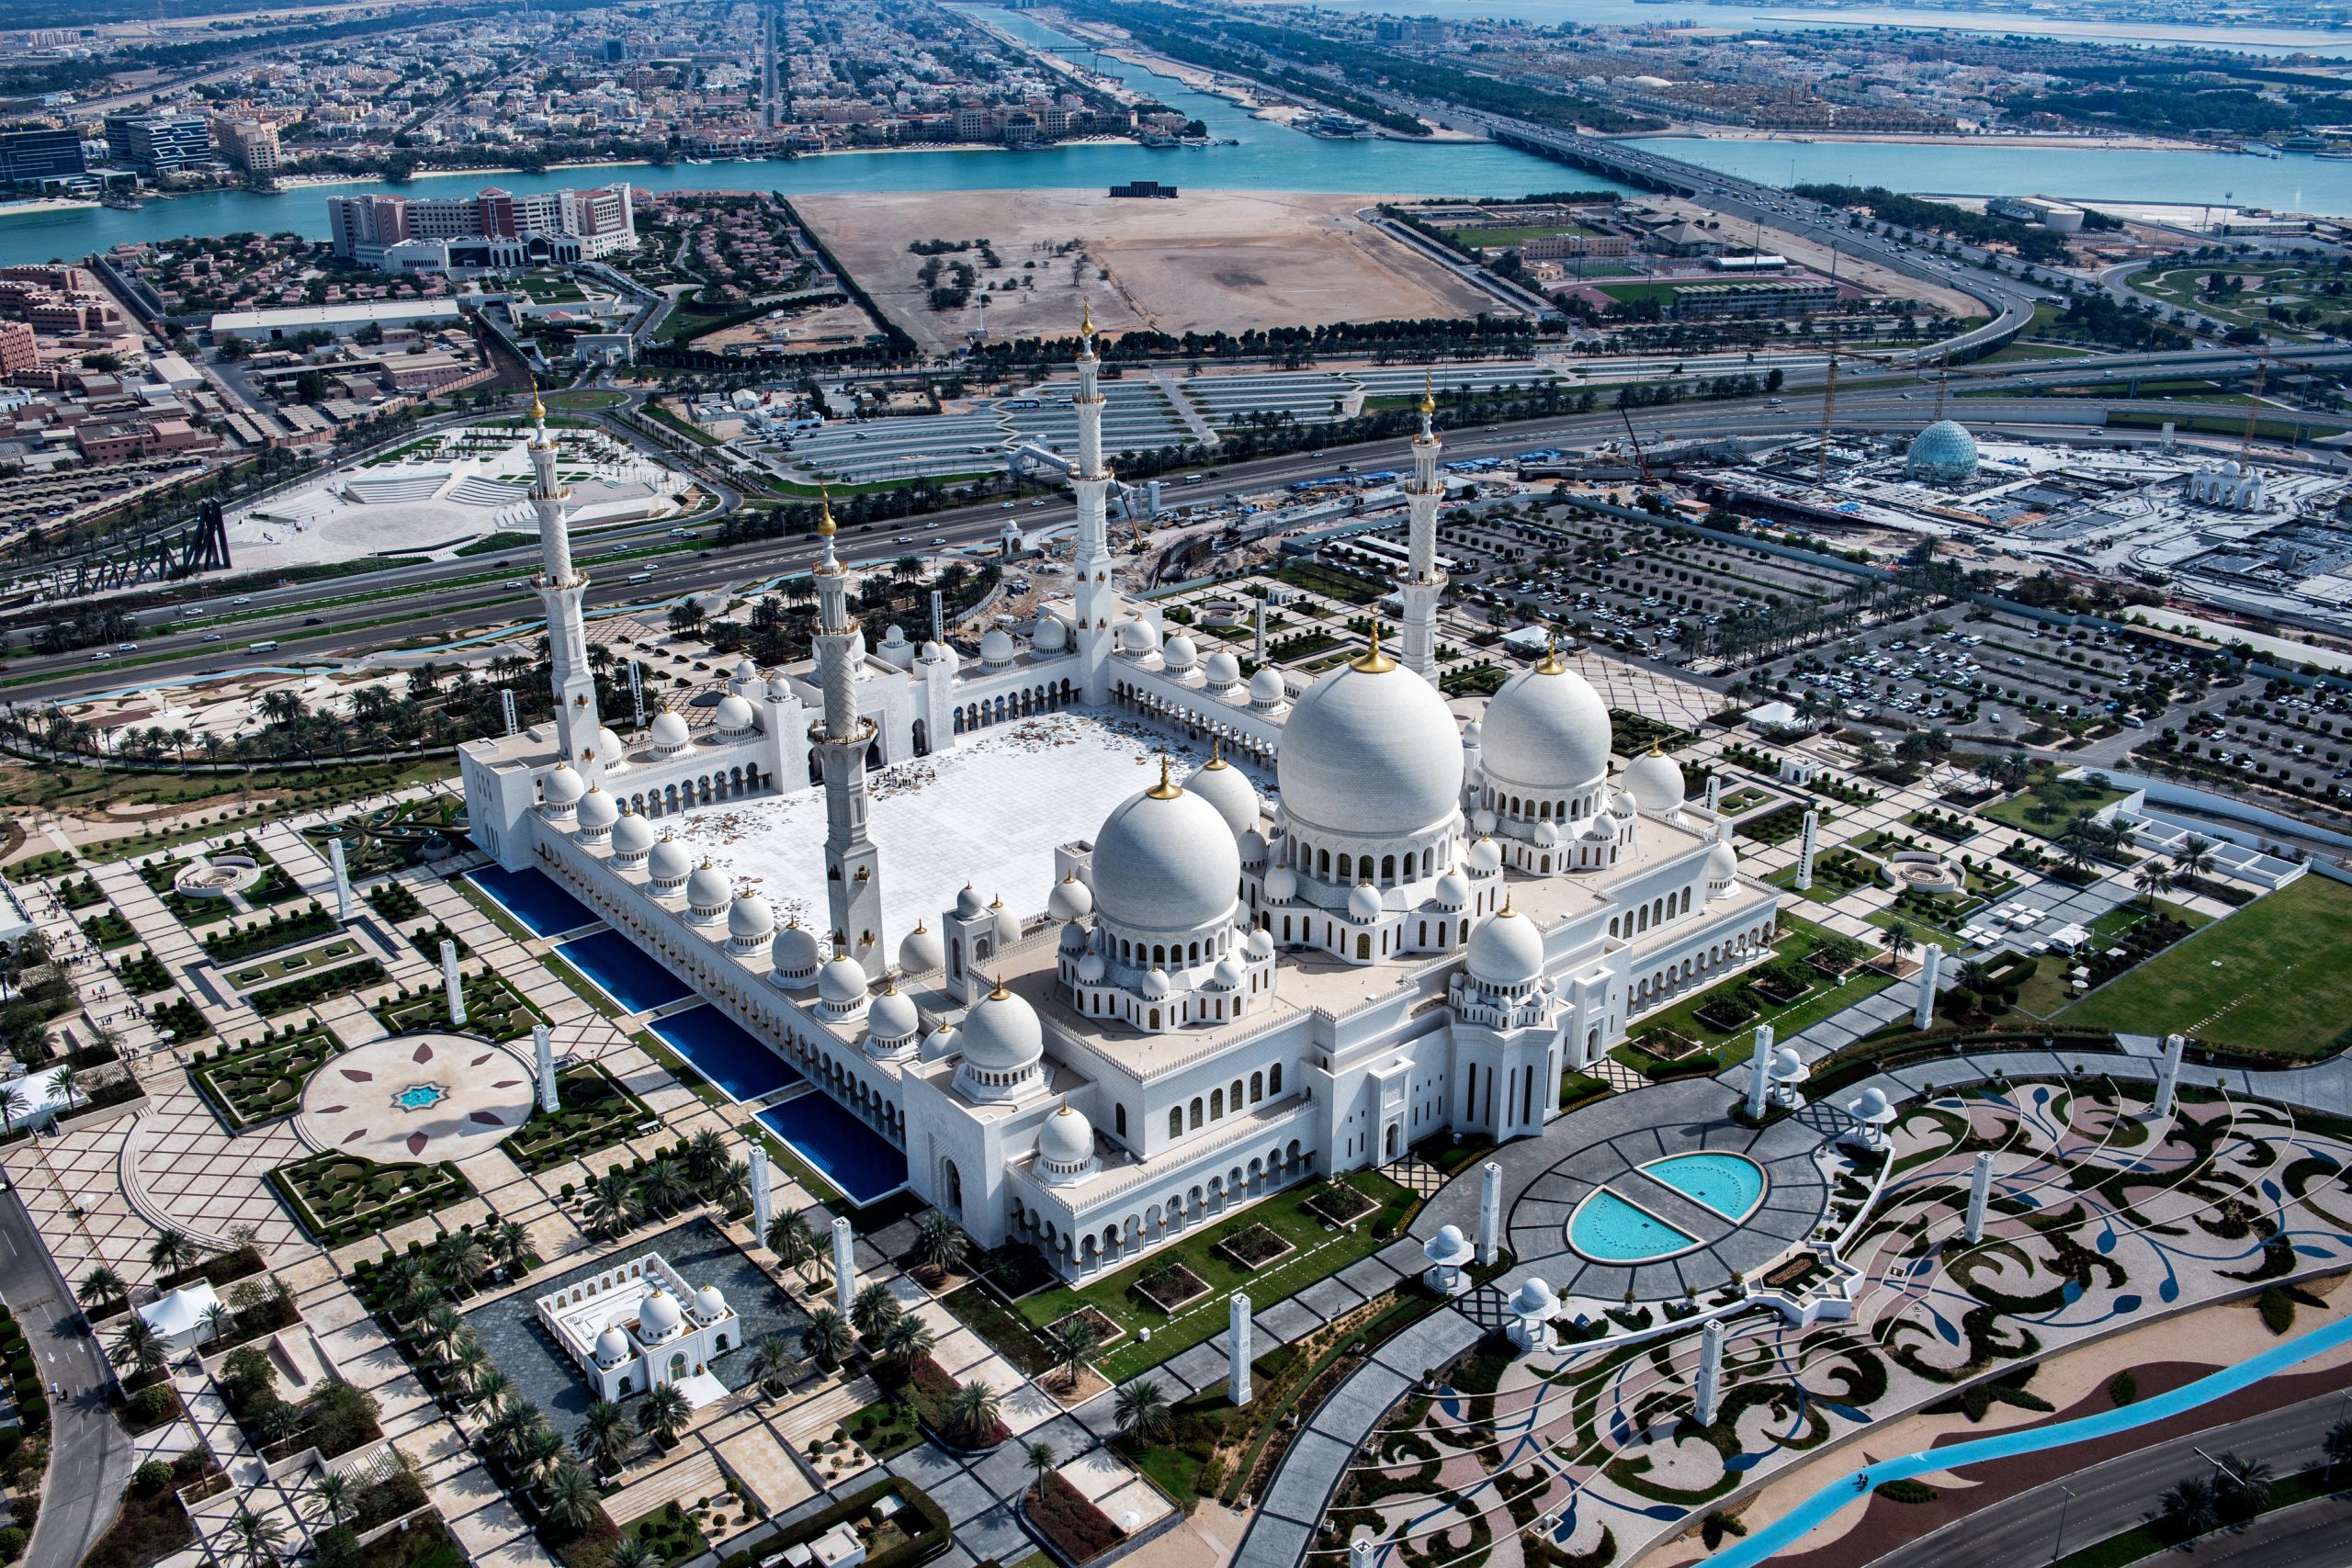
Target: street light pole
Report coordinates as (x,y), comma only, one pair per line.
(2058,1547)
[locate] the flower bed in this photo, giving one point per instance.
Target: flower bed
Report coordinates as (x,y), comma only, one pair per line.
(341,1198)
(1170,1287)
(1075,1529)
(933,1389)
(316,988)
(260,1083)
(265,936)
(1724,1013)
(1254,1248)
(1778,987)
(492,1008)
(1105,1328)
(395,902)
(595,1113)
(1667,1044)
(1340,1204)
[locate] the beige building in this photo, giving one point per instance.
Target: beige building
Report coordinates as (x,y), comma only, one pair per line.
(250,144)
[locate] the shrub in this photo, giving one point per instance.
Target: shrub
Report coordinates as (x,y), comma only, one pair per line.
(2123,1388)
(12,1543)
(151,1478)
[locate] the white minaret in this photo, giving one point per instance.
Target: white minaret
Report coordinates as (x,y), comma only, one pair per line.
(1759,1072)
(452,985)
(562,591)
(1424,582)
(1711,1372)
(1091,553)
(543,1058)
(2168,1073)
(1804,850)
(844,1266)
(1236,1370)
(762,1195)
(853,866)
(342,881)
(1491,1213)
(1931,964)
(1980,1194)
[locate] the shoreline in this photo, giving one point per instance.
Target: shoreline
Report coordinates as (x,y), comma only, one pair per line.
(2049,140)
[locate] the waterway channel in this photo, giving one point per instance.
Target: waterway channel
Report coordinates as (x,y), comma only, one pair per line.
(1264,156)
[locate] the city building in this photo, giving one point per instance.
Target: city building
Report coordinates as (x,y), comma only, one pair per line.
(1566,247)
(20,349)
(37,157)
(491,229)
(251,145)
(1944,453)
(159,144)
(2063,217)
(1724,301)
(1215,1000)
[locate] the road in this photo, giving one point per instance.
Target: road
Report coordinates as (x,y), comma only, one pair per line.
(2122,1492)
(90,1454)
(2318,1533)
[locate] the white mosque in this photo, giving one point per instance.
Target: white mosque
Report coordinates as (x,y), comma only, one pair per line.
(1213,997)
(638,1327)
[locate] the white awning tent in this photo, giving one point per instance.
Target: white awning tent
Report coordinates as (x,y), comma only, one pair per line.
(179,1318)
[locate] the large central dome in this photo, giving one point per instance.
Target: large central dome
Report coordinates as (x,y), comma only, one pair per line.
(1166,862)
(1546,730)
(1370,750)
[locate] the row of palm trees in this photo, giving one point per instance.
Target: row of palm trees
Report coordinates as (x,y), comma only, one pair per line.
(618,1201)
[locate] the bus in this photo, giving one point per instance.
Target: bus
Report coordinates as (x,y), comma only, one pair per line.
(640,577)
(261,647)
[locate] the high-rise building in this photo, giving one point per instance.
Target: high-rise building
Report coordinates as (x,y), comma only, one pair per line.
(156,144)
(251,145)
(380,231)
(19,350)
(30,156)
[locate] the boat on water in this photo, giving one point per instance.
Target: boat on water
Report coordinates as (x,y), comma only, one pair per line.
(2259,150)
(121,203)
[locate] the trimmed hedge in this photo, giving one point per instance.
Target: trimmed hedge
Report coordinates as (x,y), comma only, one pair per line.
(1075,1530)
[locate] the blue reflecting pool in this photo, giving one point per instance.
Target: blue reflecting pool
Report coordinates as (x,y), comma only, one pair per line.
(623,971)
(724,1051)
(532,897)
(1732,1185)
(845,1151)
(1608,1229)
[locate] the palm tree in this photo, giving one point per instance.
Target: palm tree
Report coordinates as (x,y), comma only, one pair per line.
(613,1203)
(174,1250)
(1142,1409)
(630,1551)
(136,1344)
(825,1338)
(509,1424)
(2151,877)
(571,1497)
(332,1495)
(2338,1444)
(771,1364)
(2188,1508)
(258,1536)
(2242,1486)
(1039,1457)
(460,1260)
(731,1187)
(940,1244)
(12,1105)
(509,1244)
(469,1364)
(1899,940)
(605,1435)
(2194,858)
(440,1330)
(540,1452)
(794,1244)
(874,1311)
(665,1415)
(100,1286)
(905,1338)
(2075,855)
(1073,1339)
(971,1413)
(59,1086)
(705,1155)
(664,1185)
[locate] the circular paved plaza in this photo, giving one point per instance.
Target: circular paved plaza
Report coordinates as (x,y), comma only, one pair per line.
(417,1097)
(1627,1162)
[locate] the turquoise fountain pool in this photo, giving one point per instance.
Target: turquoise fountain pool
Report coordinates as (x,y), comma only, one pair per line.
(1732,1185)
(1608,1229)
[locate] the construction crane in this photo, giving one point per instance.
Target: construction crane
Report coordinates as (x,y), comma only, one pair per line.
(1836,352)
(1639,461)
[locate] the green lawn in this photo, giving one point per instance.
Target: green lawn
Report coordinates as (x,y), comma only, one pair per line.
(2270,978)
(2052,807)
(1321,1251)
(1799,938)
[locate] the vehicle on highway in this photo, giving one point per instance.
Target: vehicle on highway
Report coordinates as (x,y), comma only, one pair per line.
(97,654)
(242,599)
(640,577)
(313,621)
(212,636)
(260,647)
(513,582)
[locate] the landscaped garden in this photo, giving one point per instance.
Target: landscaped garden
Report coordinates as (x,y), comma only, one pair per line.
(286,966)
(264,936)
(596,1113)
(2049,804)
(493,1009)
(341,1198)
(317,986)
(108,929)
(256,1083)
(394,838)
(1813,974)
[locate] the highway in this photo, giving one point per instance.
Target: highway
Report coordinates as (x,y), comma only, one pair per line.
(2120,1493)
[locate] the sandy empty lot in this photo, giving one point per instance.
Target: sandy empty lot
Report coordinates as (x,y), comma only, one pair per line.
(1207,261)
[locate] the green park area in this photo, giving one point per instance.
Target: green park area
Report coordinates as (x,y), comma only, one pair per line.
(2271,977)
(2051,805)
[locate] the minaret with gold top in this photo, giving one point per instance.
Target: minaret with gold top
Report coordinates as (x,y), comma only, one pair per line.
(1097,600)
(563,591)
(852,865)
(1424,582)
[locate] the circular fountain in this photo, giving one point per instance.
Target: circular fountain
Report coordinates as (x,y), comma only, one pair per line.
(216,876)
(1924,871)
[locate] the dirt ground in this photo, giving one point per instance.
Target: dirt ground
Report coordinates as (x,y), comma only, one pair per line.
(830,326)
(1206,261)
(1808,252)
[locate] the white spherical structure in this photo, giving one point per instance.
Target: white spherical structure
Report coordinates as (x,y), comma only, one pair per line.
(750,921)
(1223,671)
(669,864)
(1363,903)
(612,1347)
(1544,737)
(1484,858)
(891,1017)
(1655,782)
(1051,636)
(1226,788)
(1944,453)
(596,815)
(1267,688)
(563,789)
(1281,884)
(1071,900)
(794,955)
(998,649)
(1452,891)
(1138,638)
(709,892)
(669,732)
(1506,949)
(1723,867)
(632,838)
(658,1317)
(609,749)
(1065,1144)
(709,1306)
(733,716)
(921,951)
(1179,653)
(1369,752)
(841,985)
(1002,1042)
(1165,865)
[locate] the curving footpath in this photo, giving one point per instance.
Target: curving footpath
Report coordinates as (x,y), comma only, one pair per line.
(1316,1463)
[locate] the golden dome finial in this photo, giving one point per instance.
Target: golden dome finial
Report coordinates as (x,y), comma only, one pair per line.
(997,993)
(1166,789)
(1086,319)
(1217,751)
(824,511)
(1507,910)
(1429,394)
(1372,662)
(1654,750)
(1550,663)
(538,409)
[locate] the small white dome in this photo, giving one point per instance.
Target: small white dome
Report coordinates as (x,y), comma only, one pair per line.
(596,808)
(1253,845)
(1155,983)
(657,1315)
(1051,636)
(1069,900)
(1545,835)
(967,902)
(1453,890)
(1656,781)
(841,984)
(1506,949)
(1621,805)
(670,860)
(734,716)
(1546,731)
(1228,975)
(1363,902)
(1472,733)
(1180,652)
(1281,884)
(565,787)
(1223,669)
(1871,1104)
(1066,1138)
(632,835)
(1484,856)
(1072,940)
(1448,1246)
(1267,687)
(710,1305)
(1226,788)
(1534,1299)
(747,671)
(1258,944)
(997,648)
(1002,1033)
(669,731)
(1786,1063)
(1089,969)
(1138,637)
(892,1016)
(748,919)
(608,747)
(894,636)
(612,1347)
(1165,862)
(921,951)
(1482,821)
(709,888)
(1723,860)
(779,689)
(795,951)
(1007,924)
